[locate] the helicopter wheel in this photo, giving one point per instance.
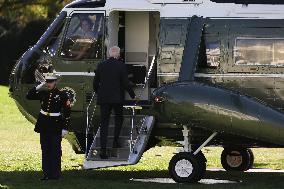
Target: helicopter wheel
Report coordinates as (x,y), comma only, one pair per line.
(185,167)
(251,159)
(236,159)
(202,161)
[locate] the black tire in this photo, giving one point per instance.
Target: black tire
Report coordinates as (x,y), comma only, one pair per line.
(184,167)
(235,159)
(202,162)
(251,159)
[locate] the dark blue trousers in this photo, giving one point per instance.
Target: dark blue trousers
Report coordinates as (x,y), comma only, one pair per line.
(51,154)
(105,117)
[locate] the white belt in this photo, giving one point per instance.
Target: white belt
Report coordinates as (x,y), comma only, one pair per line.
(50,114)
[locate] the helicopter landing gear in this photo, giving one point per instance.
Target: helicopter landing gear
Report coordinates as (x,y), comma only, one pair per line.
(237,159)
(185,167)
(189,166)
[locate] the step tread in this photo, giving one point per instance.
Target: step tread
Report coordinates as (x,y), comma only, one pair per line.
(107,160)
(113,153)
(110,148)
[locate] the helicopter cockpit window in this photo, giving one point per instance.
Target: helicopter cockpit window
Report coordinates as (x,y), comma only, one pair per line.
(84,37)
(259,51)
(53,46)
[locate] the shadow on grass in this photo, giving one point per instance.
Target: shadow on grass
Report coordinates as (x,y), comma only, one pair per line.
(124,179)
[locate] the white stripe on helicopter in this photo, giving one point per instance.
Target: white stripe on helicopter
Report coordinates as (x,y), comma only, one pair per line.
(75,74)
(238,75)
(182,9)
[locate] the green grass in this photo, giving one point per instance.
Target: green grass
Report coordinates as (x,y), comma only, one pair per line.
(20,162)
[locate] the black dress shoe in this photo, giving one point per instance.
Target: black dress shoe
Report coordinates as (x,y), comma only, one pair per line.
(45,178)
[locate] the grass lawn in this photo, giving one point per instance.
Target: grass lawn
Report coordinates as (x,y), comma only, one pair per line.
(20,162)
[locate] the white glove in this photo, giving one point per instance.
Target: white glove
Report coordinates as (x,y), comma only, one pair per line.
(64,133)
(40,86)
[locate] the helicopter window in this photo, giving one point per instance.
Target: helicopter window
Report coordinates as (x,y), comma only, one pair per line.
(84,37)
(172,35)
(213,53)
(209,54)
(257,51)
(54,43)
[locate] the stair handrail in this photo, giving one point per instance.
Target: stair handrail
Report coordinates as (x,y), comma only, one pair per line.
(89,121)
(147,77)
(135,104)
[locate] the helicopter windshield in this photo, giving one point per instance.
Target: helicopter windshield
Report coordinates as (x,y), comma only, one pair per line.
(84,37)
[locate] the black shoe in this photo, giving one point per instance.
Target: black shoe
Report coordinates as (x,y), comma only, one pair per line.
(103,154)
(45,178)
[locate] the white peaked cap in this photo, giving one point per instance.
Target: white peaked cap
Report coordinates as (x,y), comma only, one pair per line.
(50,76)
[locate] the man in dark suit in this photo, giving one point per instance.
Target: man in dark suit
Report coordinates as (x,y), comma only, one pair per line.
(110,83)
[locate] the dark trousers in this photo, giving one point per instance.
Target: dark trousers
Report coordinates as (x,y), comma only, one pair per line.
(51,154)
(105,116)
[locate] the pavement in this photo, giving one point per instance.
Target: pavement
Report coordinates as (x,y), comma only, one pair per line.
(206,181)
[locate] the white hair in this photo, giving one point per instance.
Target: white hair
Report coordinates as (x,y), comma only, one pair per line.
(114,52)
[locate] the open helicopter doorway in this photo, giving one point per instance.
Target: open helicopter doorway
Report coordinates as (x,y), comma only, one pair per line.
(137,34)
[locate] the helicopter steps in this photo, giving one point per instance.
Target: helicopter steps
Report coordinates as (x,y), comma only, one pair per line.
(133,140)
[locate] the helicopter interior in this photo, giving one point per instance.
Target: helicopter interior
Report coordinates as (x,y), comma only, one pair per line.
(136,33)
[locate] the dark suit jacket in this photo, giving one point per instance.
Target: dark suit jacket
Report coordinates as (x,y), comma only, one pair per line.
(111,81)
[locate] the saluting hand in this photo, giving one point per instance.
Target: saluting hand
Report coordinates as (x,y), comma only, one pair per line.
(40,85)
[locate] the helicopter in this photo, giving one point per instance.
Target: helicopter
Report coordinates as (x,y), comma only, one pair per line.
(208,73)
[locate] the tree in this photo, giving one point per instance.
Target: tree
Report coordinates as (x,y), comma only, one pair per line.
(23,11)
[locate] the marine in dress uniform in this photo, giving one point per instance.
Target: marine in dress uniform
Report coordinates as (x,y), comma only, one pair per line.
(110,83)
(52,124)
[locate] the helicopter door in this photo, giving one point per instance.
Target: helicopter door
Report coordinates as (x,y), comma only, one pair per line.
(81,50)
(136,33)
